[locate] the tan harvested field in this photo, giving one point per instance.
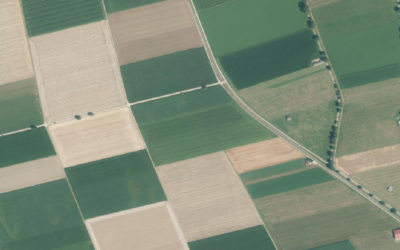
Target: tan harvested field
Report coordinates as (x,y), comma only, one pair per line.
(77,71)
(262,154)
(207,196)
(145,228)
(372,159)
(153,30)
(30,174)
(104,135)
(15,62)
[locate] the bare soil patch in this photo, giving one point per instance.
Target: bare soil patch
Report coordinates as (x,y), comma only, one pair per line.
(262,154)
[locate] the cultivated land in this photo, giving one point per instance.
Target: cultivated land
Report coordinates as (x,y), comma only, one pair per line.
(117,5)
(262,154)
(25,146)
(370,117)
(152,227)
(377,181)
(207,197)
(19,106)
(42,217)
(94,138)
(48,16)
(167,74)
(115,184)
(255,238)
(30,174)
(194,124)
(307,96)
(343,245)
(153,30)
(77,71)
(15,64)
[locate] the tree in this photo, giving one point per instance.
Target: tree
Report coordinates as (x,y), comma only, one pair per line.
(393,210)
(371,195)
(396,8)
(303,6)
(338,109)
(78,117)
(310,23)
(315,37)
(328,67)
(348,179)
(33,127)
(322,53)
(324,58)
(382,203)
(90,114)
(359,187)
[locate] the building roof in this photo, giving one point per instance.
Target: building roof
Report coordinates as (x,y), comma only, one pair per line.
(396,234)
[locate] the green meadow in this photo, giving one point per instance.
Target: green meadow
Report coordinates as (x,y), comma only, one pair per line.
(119,5)
(343,245)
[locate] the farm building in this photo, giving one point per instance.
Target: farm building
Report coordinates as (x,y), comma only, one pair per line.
(288,117)
(396,234)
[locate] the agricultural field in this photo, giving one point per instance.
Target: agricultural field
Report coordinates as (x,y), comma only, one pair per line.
(43,17)
(307,96)
(343,245)
(15,64)
(115,184)
(42,217)
(19,106)
(167,74)
(96,137)
(117,5)
(207,197)
(153,227)
(255,238)
(194,124)
(77,71)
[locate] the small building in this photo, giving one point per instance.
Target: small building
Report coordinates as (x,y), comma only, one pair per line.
(288,118)
(390,189)
(396,234)
(317,62)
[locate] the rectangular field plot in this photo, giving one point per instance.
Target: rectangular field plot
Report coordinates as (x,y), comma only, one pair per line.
(195,123)
(207,197)
(262,154)
(94,138)
(42,217)
(118,5)
(115,184)
(19,106)
(25,146)
(145,228)
(255,238)
(167,74)
(77,71)
(154,30)
(15,64)
(343,245)
(43,17)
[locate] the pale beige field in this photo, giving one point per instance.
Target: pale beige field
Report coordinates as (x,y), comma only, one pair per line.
(262,154)
(77,71)
(30,174)
(15,62)
(145,228)
(153,30)
(207,196)
(372,159)
(104,135)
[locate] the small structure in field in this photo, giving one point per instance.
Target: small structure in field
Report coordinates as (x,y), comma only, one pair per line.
(288,118)
(396,234)
(317,62)
(390,189)
(308,162)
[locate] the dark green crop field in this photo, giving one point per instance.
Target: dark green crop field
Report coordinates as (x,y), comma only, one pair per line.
(19,106)
(115,184)
(118,5)
(194,124)
(25,146)
(254,238)
(43,17)
(167,74)
(289,182)
(270,60)
(343,245)
(207,4)
(42,217)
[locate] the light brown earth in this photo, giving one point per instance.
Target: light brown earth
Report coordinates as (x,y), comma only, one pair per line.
(262,154)
(77,71)
(144,228)
(153,30)
(207,196)
(372,159)
(30,174)
(15,60)
(104,135)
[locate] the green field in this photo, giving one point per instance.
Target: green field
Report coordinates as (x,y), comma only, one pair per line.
(286,183)
(343,245)
(194,124)
(257,24)
(42,217)
(25,146)
(115,184)
(167,74)
(118,5)
(207,4)
(270,60)
(370,117)
(307,96)
(43,17)
(255,238)
(19,106)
